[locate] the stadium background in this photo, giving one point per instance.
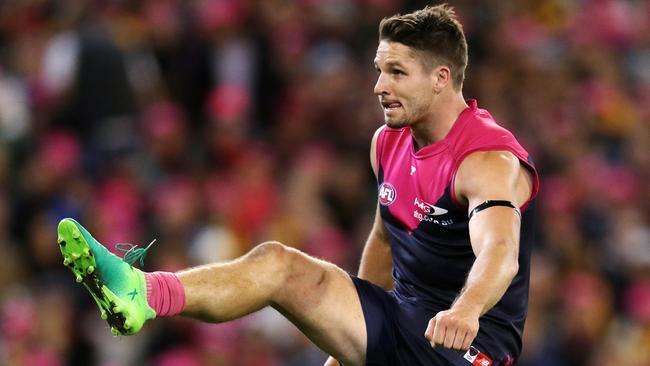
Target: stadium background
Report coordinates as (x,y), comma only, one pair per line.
(212,125)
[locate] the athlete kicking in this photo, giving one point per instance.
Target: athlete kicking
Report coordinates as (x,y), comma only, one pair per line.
(444,274)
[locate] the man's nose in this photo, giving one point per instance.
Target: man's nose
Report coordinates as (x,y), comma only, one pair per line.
(381,86)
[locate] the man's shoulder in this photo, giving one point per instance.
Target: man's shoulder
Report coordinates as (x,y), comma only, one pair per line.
(483,132)
(483,122)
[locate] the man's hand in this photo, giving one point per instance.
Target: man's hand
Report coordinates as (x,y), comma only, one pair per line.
(454,329)
(331,362)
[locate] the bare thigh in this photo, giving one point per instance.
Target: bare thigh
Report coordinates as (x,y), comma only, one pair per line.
(322,301)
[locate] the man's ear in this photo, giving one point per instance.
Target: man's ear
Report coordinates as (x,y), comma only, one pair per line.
(441,76)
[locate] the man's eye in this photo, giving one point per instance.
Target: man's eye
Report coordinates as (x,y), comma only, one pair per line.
(397,72)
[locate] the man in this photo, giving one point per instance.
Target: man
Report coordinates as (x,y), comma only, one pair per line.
(448,225)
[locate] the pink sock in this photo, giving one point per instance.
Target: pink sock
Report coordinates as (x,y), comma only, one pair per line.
(165,294)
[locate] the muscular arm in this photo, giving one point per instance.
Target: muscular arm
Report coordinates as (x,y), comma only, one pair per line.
(376,259)
(494,234)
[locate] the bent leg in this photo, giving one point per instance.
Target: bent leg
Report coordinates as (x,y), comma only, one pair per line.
(317,296)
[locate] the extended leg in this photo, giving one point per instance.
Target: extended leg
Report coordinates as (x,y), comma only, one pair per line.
(318,297)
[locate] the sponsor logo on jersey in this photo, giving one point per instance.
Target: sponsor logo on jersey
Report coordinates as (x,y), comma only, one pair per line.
(387,194)
(429,209)
(428,212)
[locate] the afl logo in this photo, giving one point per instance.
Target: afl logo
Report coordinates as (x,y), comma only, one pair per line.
(387,194)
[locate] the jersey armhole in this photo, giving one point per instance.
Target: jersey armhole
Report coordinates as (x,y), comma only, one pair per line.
(526,163)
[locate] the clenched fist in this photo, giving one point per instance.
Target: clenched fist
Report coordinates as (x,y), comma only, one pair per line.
(453,329)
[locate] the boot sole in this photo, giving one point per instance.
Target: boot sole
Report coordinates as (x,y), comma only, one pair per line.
(79,258)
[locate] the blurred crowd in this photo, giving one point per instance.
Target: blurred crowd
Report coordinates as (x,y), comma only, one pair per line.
(213,125)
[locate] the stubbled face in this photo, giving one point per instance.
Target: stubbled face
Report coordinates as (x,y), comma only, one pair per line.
(404,86)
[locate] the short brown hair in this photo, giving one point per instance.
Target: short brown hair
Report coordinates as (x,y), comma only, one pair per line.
(434,30)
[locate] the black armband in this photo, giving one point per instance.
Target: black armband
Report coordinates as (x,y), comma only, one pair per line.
(491,203)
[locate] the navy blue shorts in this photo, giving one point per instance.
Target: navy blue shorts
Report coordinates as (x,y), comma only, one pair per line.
(395,331)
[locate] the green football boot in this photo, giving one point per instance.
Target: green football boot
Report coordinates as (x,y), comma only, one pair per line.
(119,289)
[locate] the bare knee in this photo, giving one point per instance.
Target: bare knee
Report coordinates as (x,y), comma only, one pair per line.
(289,269)
(276,257)
(270,250)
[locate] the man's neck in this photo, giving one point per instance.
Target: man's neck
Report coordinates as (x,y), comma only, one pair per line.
(444,114)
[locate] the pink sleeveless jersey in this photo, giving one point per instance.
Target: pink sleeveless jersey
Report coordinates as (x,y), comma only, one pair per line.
(428,229)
